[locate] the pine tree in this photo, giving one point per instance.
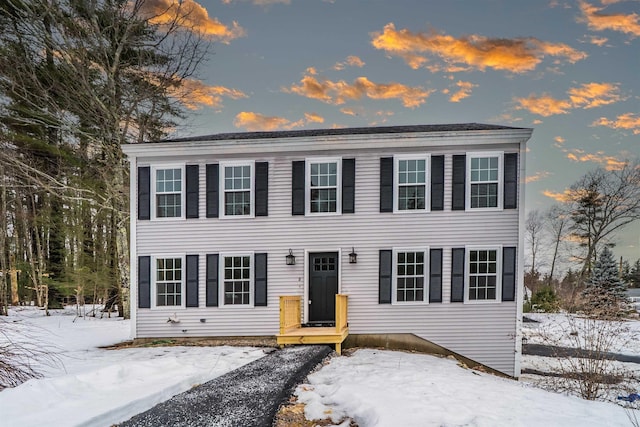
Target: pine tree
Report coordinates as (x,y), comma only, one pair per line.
(605,290)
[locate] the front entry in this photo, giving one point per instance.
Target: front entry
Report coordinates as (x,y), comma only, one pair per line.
(323,287)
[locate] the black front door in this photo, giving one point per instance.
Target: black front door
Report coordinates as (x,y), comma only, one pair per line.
(323,287)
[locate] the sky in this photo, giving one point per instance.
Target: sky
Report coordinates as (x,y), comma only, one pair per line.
(566,68)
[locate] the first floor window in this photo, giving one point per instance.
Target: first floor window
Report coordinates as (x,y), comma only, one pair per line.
(483,275)
(168,282)
(237,280)
(484,181)
(412,184)
(323,186)
(410,276)
(168,195)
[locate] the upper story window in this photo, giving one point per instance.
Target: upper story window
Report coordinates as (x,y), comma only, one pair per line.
(237,279)
(485,184)
(482,277)
(411,183)
(169,192)
(410,275)
(238,193)
(324,191)
(169,283)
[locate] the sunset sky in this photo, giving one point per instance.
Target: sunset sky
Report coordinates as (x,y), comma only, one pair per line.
(569,69)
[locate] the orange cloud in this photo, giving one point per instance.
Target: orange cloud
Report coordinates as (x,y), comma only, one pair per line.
(608,162)
(338,92)
(559,141)
(589,95)
(517,55)
(565,196)
(192,15)
(544,105)
(194,94)
(464,92)
(592,95)
(351,61)
(348,112)
(536,177)
(627,121)
(259,122)
(598,21)
(598,41)
(313,118)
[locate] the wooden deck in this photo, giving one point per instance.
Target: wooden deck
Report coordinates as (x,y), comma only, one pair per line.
(292,332)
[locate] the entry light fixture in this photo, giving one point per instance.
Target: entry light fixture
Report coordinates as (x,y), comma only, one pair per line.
(291,259)
(353,256)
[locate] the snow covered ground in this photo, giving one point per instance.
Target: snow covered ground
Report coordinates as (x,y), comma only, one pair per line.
(89,386)
(391,388)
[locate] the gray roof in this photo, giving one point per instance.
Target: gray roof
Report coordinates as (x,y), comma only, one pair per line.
(457,127)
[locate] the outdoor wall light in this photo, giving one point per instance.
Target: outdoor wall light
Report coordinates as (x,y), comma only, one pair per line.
(291,259)
(353,256)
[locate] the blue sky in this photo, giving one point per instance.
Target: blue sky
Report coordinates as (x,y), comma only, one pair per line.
(568,69)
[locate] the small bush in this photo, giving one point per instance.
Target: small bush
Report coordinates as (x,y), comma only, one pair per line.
(545,300)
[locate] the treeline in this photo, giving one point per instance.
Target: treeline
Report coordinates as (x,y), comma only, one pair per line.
(77,80)
(576,235)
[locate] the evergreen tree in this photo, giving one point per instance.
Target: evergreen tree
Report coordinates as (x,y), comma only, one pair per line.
(605,290)
(634,275)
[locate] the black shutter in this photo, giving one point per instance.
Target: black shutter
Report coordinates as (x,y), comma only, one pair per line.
(193,197)
(260,280)
(192,280)
(262,188)
(212,280)
(297,186)
(435,275)
(386,184)
(212,191)
(144,282)
(144,192)
(348,185)
(508,274)
(384,284)
(511,181)
(458,182)
(457,274)
(437,183)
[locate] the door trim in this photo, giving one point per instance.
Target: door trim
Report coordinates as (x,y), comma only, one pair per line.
(307,253)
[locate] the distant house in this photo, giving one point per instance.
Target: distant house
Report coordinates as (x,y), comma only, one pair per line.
(419,226)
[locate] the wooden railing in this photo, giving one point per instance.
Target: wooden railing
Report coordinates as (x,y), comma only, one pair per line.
(342,302)
(289,313)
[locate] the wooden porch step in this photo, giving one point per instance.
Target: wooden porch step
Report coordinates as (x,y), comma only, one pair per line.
(314,335)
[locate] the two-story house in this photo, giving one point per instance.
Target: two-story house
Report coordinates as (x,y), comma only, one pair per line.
(421,226)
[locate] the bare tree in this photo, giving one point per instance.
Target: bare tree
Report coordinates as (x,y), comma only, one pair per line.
(534,229)
(557,222)
(601,203)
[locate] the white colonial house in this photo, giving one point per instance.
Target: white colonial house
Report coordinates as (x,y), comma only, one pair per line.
(363,231)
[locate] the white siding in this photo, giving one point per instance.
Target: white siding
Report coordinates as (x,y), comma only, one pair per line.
(483,332)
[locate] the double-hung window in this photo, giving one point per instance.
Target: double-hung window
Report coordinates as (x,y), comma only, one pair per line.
(324,192)
(485,175)
(169,282)
(412,184)
(410,275)
(169,192)
(237,197)
(237,279)
(483,274)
